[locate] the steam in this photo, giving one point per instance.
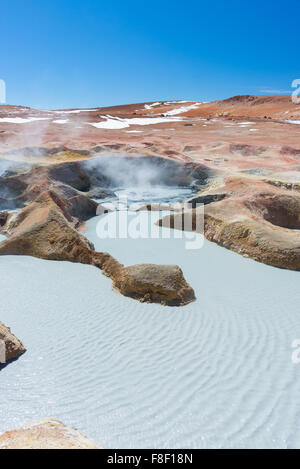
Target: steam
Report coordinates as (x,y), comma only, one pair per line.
(5,167)
(137,172)
(37,129)
(140,180)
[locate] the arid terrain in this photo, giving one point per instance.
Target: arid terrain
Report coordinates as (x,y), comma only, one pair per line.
(243,153)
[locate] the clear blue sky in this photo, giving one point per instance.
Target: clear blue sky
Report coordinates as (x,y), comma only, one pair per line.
(88,53)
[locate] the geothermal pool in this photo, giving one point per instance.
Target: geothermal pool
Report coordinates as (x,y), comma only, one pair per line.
(136,196)
(214,374)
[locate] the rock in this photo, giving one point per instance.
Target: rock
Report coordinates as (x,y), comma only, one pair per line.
(38,152)
(286,150)
(11,190)
(93,178)
(189,148)
(247,232)
(101,210)
(152,283)
(246,150)
(11,187)
(100,193)
(205,199)
(12,348)
(75,203)
(155,208)
(257,220)
(71,174)
(3,218)
(44,229)
(65,179)
(45,434)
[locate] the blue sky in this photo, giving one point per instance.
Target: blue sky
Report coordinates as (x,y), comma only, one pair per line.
(88,53)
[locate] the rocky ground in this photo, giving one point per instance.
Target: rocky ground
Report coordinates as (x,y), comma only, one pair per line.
(242,152)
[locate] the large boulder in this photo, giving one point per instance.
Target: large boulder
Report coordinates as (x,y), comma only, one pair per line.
(45,434)
(10,347)
(153,283)
(46,230)
(150,283)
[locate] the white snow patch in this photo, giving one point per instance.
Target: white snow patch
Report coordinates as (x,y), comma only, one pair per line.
(168,103)
(110,124)
(61,121)
(75,111)
(292,122)
(134,131)
(150,106)
(152,120)
(118,123)
(180,110)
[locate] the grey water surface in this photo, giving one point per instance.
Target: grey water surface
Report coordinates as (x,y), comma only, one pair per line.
(216,373)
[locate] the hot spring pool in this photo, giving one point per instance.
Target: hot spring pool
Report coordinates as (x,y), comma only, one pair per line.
(214,374)
(136,196)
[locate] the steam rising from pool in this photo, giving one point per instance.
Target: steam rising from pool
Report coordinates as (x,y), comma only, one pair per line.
(132,198)
(142,180)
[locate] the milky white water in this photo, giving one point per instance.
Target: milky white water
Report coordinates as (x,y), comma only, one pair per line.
(136,196)
(215,373)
